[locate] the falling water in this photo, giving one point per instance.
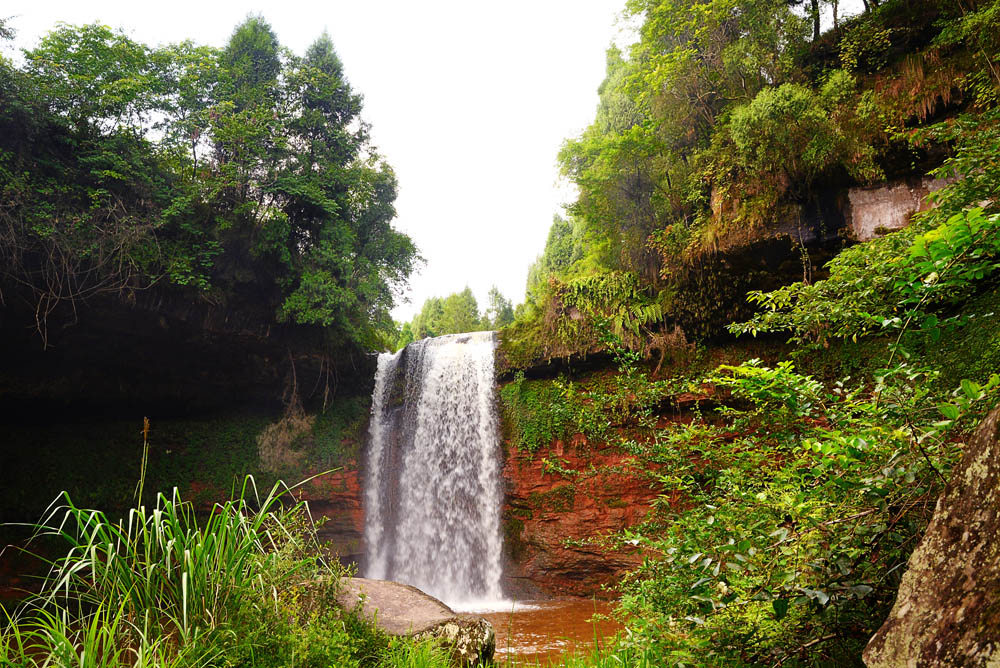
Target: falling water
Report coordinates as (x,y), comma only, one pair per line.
(432,489)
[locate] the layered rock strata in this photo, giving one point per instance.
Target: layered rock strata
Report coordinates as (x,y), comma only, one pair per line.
(561,507)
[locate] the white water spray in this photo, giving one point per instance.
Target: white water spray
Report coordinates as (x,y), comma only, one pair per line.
(432,490)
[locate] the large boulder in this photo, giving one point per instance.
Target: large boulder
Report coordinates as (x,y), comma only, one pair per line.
(401,610)
(947,612)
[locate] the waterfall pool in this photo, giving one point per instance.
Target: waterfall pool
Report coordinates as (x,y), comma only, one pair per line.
(537,632)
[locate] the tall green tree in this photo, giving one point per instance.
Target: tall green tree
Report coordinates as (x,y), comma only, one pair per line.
(430,321)
(453,314)
(461,313)
(500,311)
(244,173)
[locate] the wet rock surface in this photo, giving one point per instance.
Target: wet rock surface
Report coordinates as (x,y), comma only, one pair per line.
(947,611)
(554,519)
(336,498)
(401,610)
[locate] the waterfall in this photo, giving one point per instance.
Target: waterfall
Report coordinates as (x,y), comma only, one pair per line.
(432,485)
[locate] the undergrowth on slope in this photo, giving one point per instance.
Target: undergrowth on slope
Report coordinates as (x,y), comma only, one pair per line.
(791,502)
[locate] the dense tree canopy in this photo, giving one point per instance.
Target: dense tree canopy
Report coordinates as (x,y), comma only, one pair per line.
(723,127)
(457,313)
(241,174)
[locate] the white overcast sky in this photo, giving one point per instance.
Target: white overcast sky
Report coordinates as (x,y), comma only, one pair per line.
(468,101)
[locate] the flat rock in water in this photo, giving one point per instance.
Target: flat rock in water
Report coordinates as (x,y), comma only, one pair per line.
(947,611)
(401,610)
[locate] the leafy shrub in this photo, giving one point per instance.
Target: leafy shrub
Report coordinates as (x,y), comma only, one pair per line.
(535,412)
(785,130)
(795,529)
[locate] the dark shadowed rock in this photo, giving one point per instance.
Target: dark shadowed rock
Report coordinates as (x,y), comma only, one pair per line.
(402,610)
(947,612)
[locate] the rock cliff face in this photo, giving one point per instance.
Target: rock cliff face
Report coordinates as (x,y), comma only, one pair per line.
(558,509)
(947,611)
(876,210)
(164,353)
(336,499)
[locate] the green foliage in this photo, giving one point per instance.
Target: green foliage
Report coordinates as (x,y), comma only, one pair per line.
(6,32)
(242,173)
(455,314)
(791,135)
(460,313)
(791,511)
(972,351)
(251,62)
(779,392)
(795,528)
(907,279)
(889,284)
(246,586)
(612,300)
(866,46)
(564,247)
(785,129)
(535,413)
(500,311)
(716,130)
(338,433)
(184,590)
(798,504)
(572,317)
(978,29)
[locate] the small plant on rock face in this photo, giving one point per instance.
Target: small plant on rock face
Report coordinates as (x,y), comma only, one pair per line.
(535,412)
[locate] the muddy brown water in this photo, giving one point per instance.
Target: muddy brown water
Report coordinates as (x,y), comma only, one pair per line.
(540,632)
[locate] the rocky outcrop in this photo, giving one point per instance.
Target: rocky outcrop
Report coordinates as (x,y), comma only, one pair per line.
(166,353)
(947,611)
(877,210)
(335,501)
(559,508)
(402,610)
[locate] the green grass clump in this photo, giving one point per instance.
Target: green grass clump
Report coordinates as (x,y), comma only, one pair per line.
(246,586)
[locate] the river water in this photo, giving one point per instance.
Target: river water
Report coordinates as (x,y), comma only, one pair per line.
(539,632)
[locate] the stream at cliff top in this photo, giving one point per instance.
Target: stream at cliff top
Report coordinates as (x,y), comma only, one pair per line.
(433,490)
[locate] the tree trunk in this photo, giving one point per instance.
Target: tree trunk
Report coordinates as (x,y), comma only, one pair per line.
(815,17)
